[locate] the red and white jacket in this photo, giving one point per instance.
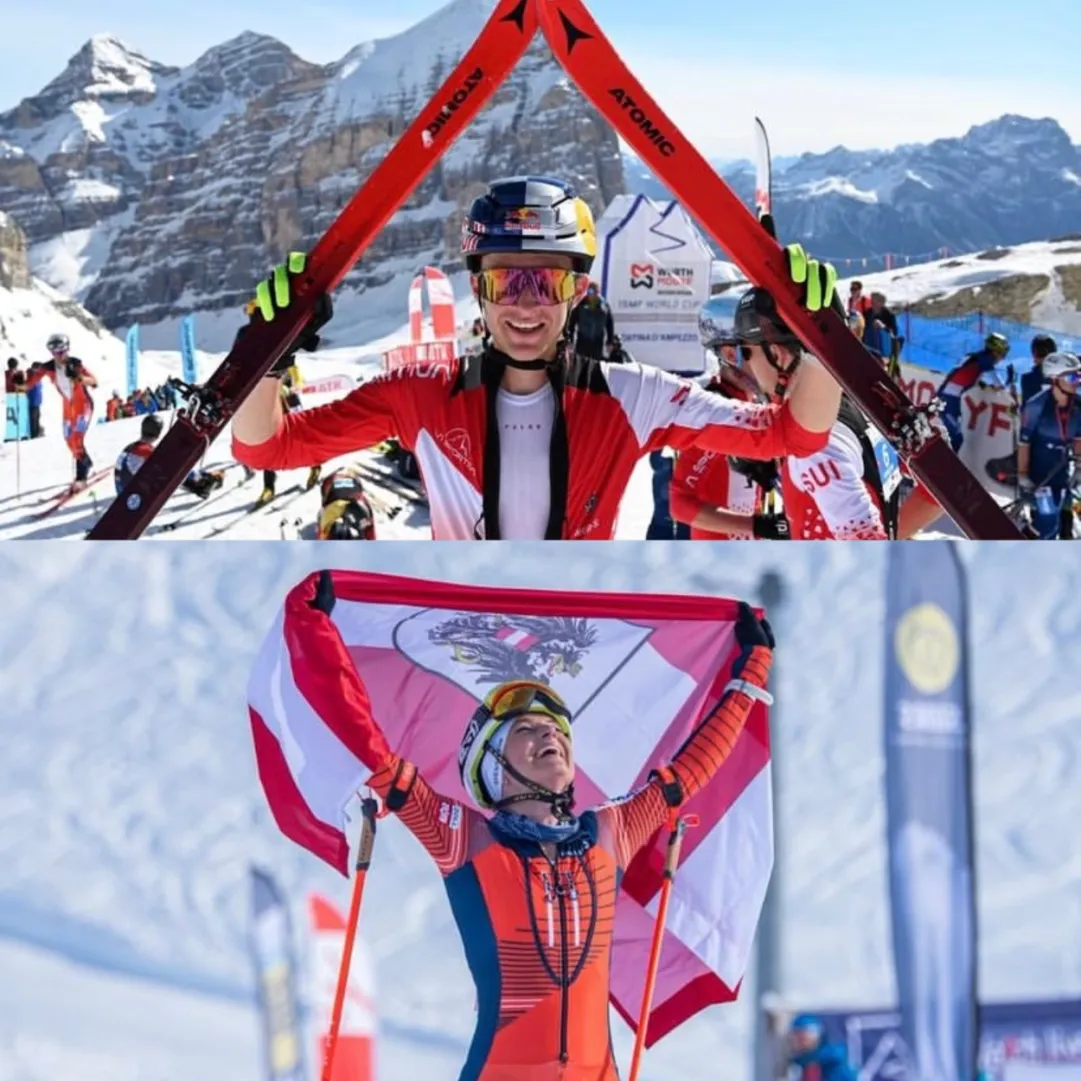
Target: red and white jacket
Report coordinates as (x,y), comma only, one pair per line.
(608,416)
(825,494)
(704,478)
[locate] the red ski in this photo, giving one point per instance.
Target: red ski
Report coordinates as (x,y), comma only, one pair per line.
(481,71)
(69,493)
(590,60)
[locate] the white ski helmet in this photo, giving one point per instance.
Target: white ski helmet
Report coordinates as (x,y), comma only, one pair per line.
(1061,363)
(58,343)
(481,763)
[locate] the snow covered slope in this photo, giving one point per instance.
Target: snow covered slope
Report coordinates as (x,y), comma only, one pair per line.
(1038,283)
(130,810)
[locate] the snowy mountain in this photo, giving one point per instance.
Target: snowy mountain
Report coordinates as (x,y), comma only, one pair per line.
(130,809)
(1011,180)
(149,191)
(30,311)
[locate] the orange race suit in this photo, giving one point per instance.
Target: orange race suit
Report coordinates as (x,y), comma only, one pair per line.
(537,932)
(67,376)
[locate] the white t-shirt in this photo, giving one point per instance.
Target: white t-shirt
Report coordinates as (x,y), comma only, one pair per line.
(525,439)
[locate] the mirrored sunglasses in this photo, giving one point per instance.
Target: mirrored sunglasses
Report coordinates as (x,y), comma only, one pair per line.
(507,285)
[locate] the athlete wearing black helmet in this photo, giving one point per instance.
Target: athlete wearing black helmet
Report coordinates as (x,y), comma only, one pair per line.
(847,490)
(527,440)
(200,482)
(1033,381)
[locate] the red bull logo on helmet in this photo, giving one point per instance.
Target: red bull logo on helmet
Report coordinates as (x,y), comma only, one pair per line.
(522,220)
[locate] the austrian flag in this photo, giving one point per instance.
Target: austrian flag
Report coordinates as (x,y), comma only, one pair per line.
(358,665)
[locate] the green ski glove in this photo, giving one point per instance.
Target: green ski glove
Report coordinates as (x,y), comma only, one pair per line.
(275,294)
(819,280)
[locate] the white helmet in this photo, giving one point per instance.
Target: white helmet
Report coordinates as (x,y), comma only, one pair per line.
(58,343)
(481,763)
(1059,364)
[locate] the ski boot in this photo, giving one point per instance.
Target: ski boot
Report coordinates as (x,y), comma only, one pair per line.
(313,478)
(265,496)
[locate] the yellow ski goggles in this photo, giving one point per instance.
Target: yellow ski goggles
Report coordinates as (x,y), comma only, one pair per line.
(517,698)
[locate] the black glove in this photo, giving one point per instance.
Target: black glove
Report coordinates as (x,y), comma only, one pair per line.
(751,634)
(771,527)
(762,473)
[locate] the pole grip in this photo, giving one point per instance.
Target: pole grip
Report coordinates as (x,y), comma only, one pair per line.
(369,811)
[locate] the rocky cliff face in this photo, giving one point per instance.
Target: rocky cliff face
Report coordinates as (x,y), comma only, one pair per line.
(151,192)
(14,269)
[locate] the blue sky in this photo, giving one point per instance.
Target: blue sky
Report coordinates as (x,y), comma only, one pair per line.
(818,73)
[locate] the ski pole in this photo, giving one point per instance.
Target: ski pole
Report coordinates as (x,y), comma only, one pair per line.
(676,825)
(18,461)
(368,808)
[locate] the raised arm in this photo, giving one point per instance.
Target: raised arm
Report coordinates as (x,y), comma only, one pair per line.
(442,825)
(633,821)
(325,673)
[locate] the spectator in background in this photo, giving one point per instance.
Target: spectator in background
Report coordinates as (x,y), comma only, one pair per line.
(880,329)
(815,1057)
(1032,382)
(590,326)
(13,378)
(857,302)
(878,312)
(856,323)
(33,402)
(114,406)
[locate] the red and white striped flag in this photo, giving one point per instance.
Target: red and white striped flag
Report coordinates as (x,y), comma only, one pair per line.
(440,301)
(353,1053)
(638,673)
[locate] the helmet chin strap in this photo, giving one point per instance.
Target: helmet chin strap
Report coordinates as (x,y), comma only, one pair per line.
(560,802)
(784,375)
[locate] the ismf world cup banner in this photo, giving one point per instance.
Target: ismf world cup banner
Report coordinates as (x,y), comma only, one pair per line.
(654,269)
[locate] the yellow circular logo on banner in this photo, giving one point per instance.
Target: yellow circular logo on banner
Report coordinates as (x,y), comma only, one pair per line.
(927,647)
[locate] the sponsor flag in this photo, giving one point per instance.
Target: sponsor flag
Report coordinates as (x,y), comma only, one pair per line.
(131,353)
(929,810)
(187,350)
(276,977)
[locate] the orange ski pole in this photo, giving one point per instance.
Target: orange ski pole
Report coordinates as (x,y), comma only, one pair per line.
(368,809)
(677,826)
